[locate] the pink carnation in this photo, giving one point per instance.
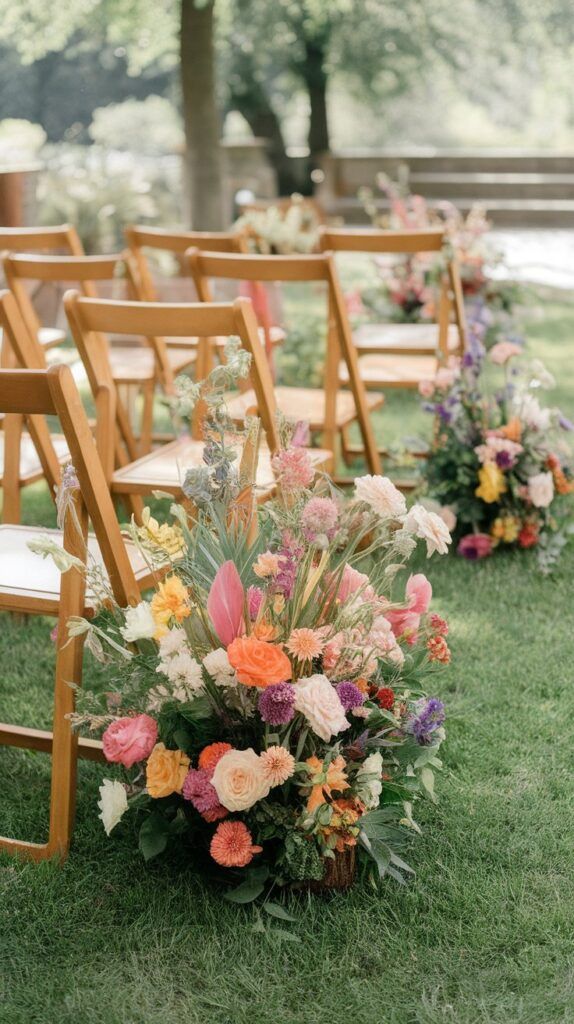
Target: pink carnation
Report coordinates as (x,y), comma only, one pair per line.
(319,518)
(294,468)
(418,594)
(129,740)
(198,789)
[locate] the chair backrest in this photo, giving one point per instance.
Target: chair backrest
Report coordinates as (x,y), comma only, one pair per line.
(93,318)
(176,243)
(86,272)
(408,242)
(63,238)
(36,394)
(317,268)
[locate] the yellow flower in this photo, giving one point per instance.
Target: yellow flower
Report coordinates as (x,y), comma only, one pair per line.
(492,483)
(505,528)
(168,539)
(165,771)
(170,602)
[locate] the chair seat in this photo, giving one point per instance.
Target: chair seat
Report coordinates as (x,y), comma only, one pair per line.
(30,583)
(136,365)
(410,339)
(393,371)
(30,465)
(50,336)
(165,469)
(306,404)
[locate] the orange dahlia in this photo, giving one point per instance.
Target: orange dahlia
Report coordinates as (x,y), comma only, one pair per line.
(232,845)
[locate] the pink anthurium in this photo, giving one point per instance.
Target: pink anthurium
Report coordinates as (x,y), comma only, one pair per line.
(226,603)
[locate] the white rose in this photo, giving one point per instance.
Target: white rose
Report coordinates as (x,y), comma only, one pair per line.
(541,489)
(113,804)
(140,623)
(239,780)
(370,789)
(381,495)
(318,701)
(429,527)
(217,664)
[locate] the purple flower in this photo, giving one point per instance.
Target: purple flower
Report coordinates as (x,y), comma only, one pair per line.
(198,790)
(254,599)
(350,695)
(504,460)
(444,413)
(475,546)
(565,423)
(276,704)
(429,717)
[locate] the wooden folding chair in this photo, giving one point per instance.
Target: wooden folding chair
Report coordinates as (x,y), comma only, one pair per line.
(63,239)
(136,368)
(143,240)
(30,585)
(328,410)
(164,468)
(401,355)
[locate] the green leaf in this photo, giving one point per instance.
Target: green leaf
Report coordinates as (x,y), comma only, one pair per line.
(153,836)
(427,780)
(245,893)
(282,935)
(276,910)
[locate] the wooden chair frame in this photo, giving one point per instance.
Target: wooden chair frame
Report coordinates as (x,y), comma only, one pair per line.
(317,268)
(177,243)
(36,394)
(409,243)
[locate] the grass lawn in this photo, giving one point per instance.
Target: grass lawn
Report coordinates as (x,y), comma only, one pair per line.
(482,936)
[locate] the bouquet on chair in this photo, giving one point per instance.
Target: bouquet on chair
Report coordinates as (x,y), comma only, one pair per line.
(409,286)
(267,702)
(500,462)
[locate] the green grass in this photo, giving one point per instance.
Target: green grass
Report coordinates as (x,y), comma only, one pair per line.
(482,936)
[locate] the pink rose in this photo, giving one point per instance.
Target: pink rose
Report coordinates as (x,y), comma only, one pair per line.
(426,388)
(130,740)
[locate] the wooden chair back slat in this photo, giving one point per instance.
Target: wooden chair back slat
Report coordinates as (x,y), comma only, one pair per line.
(63,236)
(377,240)
(176,243)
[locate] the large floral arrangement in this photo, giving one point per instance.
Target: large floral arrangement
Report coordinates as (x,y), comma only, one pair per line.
(407,287)
(281,230)
(266,703)
(500,464)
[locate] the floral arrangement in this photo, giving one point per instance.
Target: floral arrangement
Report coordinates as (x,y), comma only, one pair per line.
(281,230)
(409,285)
(266,703)
(499,465)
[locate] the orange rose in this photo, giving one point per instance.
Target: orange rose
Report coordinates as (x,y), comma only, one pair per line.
(257,662)
(512,430)
(165,771)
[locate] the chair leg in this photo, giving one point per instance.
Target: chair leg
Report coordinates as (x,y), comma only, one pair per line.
(147,419)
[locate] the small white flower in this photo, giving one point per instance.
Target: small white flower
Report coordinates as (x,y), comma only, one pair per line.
(219,668)
(184,670)
(171,642)
(381,495)
(428,527)
(369,780)
(531,413)
(140,624)
(113,804)
(541,489)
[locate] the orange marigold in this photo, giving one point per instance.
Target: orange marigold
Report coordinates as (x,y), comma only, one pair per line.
(170,601)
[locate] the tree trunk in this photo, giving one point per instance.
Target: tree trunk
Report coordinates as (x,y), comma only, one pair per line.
(316,81)
(249,97)
(204,165)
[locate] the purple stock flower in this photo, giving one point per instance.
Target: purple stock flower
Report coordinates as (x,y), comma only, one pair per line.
(350,695)
(276,703)
(254,599)
(429,717)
